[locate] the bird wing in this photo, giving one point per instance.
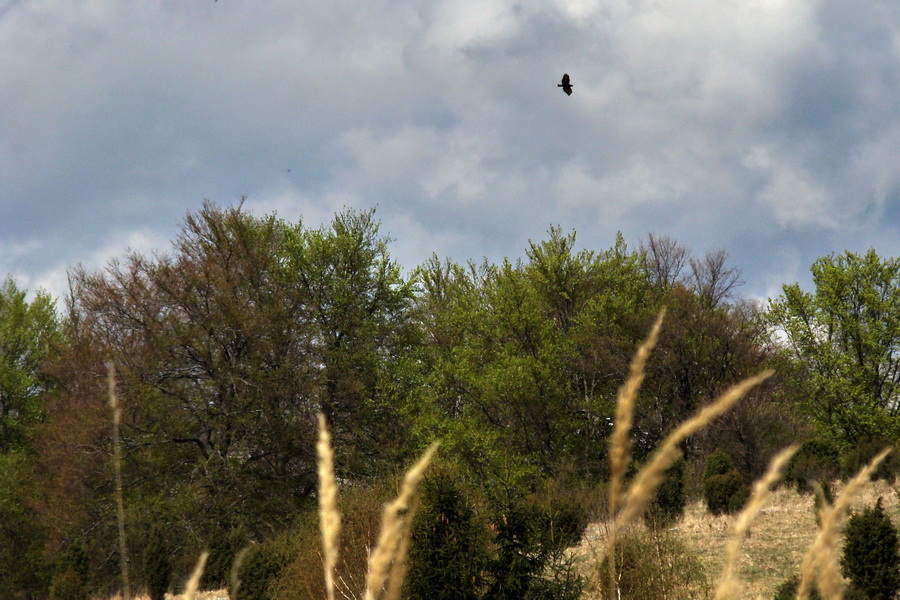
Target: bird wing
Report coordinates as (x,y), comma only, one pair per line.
(565,80)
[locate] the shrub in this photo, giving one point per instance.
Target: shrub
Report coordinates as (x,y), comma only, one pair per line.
(157,564)
(668,504)
(530,562)
(259,570)
(223,548)
(816,460)
(72,575)
(68,585)
(717,463)
(655,564)
(788,590)
(725,493)
(871,559)
(447,554)
(859,456)
(75,558)
(302,575)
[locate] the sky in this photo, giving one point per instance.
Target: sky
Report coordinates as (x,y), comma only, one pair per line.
(767,128)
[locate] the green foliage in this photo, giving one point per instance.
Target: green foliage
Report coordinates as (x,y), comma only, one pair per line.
(229,345)
(302,576)
(27,332)
(845,335)
(448,551)
(788,590)
(717,463)
(509,547)
(68,585)
(724,489)
(669,501)
(860,455)
(871,559)
(260,570)
(223,548)
(527,563)
(158,563)
(75,558)
(359,306)
(816,460)
(655,564)
(726,493)
(22,533)
(522,360)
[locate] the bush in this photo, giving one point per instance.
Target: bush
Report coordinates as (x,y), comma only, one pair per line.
(814,461)
(448,549)
(717,463)
(72,575)
(530,561)
(75,558)
(655,564)
(157,564)
(859,456)
(302,575)
(68,585)
(725,493)
(223,548)
(260,568)
(668,504)
(871,559)
(788,590)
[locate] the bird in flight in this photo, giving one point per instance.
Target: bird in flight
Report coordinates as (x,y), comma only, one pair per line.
(566,85)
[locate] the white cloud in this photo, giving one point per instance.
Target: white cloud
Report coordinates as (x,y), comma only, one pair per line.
(766,126)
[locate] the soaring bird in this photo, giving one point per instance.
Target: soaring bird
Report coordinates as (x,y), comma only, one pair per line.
(565,85)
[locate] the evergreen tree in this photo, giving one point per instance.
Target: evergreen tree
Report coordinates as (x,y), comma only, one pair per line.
(871,558)
(157,563)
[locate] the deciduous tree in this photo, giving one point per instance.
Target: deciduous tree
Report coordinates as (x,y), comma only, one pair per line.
(847,335)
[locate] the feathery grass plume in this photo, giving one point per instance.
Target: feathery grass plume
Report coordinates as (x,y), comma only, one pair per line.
(821,559)
(400,567)
(191,587)
(234,577)
(649,478)
(395,523)
(329,516)
(117,466)
(729,584)
(620,443)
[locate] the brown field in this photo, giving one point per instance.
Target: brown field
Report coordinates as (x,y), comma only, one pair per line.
(778,539)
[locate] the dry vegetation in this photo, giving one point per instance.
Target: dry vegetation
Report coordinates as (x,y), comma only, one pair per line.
(774,549)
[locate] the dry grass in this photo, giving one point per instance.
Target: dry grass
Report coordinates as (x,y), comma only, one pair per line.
(117,465)
(208,595)
(821,560)
(778,540)
(387,565)
(620,443)
(730,584)
(190,589)
(329,516)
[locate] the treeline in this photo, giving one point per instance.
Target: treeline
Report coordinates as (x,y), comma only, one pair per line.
(228,347)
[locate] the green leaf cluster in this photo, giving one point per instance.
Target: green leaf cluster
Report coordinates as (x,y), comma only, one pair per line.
(847,334)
